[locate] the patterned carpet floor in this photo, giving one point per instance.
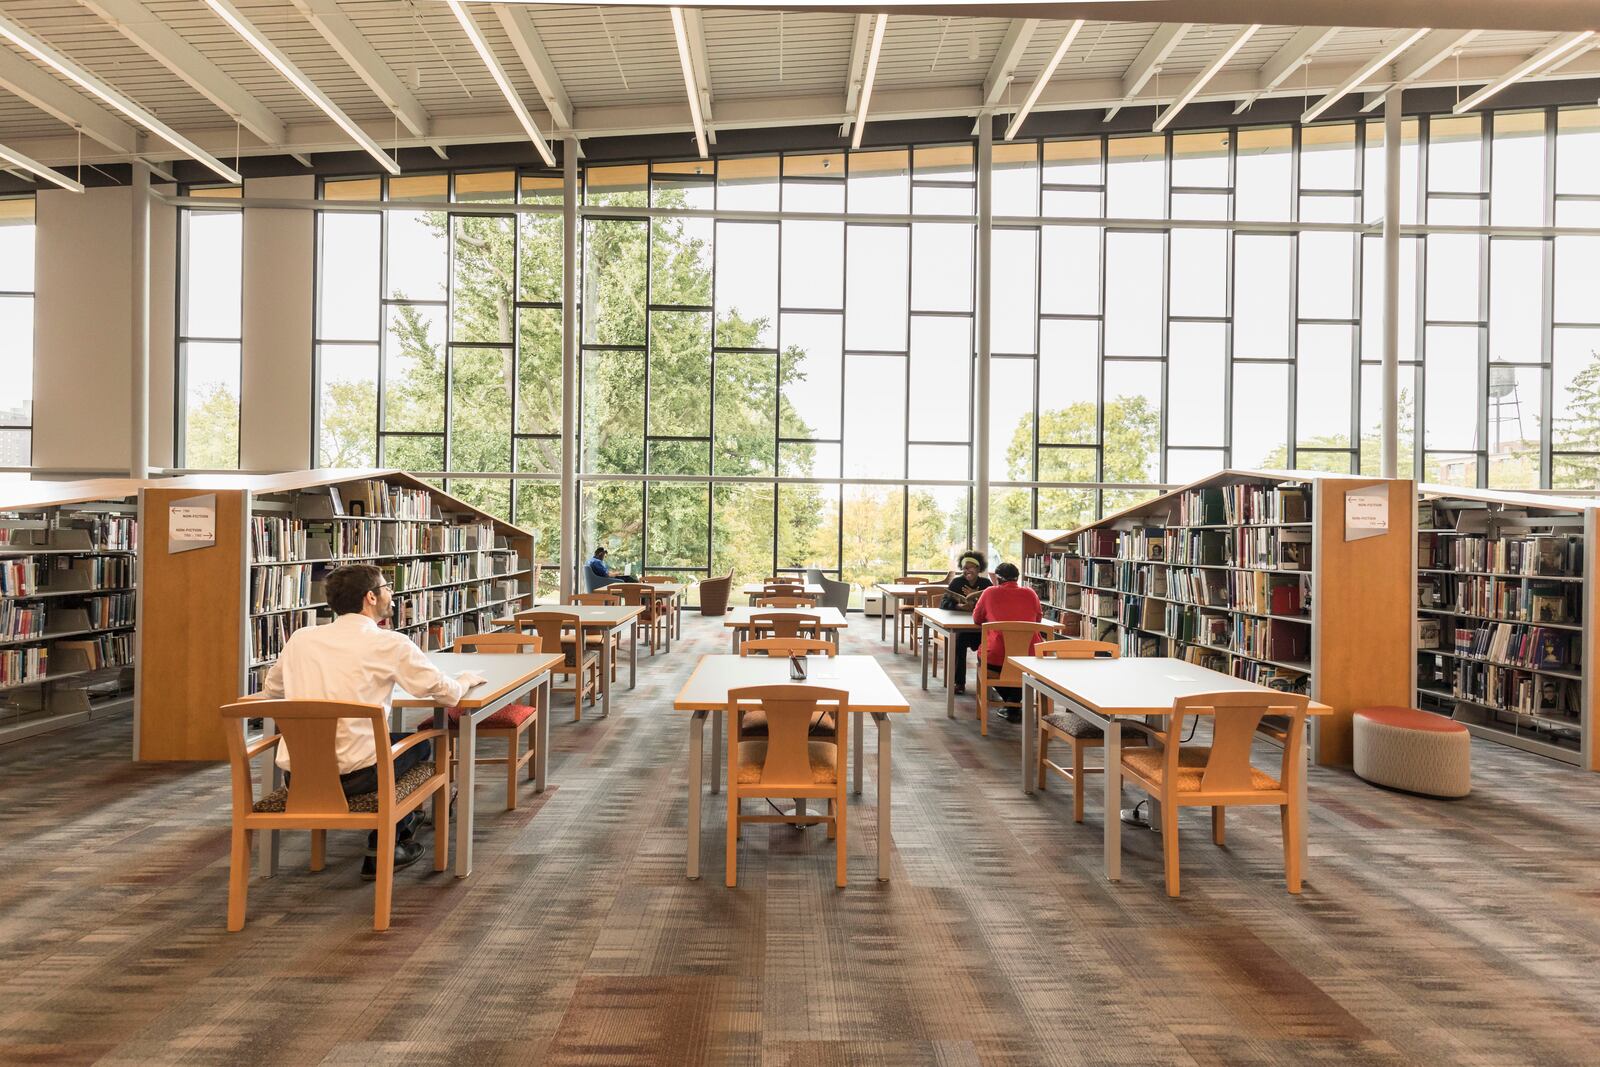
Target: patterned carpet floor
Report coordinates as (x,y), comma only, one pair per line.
(1429,932)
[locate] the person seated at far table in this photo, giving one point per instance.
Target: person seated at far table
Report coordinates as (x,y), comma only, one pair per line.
(354,660)
(599,575)
(1007,602)
(965,588)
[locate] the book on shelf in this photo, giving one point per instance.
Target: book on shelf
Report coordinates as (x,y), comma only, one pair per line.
(1427,633)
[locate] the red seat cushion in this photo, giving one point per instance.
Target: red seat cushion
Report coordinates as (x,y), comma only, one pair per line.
(1410,719)
(507,718)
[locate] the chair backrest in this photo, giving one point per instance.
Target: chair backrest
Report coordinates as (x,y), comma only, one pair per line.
(714,593)
(309,730)
(910,579)
(814,575)
(787,646)
(781,587)
(1235,717)
(656,579)
(790,711)
(799,600)
(603,600)
(634,593)
(783,624)
(1077,649)
(593,581)
(1017,638)
(549,624)
(499,642)
(929,596)
(834,594)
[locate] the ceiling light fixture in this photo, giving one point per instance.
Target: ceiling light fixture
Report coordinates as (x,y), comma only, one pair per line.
(507,90)
(866,82)
(21,161)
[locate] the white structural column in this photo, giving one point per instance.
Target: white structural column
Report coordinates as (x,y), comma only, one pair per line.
(276,427)
(139,323)
(1390,450)
(567,561)
(982,333)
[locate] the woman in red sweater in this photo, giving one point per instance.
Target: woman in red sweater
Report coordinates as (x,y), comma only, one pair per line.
(1006,602)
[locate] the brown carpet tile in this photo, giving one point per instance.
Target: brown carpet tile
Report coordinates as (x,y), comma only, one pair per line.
(1429,932)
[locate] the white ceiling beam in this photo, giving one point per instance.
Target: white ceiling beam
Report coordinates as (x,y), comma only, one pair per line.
(524,36)
(141,26)
(1043,78)
(700,57)
(480,44)
(1207,72)
(873,52)
(17,159)
(296,77)
(860,41)
(1365,72)
(106,93)
(44,92)
(1003,71)
(337,29)
(1551,52)
(498,126)
(691,81)
(1435,48)
(1295,53)
(1166,38)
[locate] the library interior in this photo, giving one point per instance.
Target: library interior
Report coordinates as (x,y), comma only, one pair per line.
(866,487)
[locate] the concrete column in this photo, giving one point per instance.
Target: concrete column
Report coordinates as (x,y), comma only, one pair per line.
(276,386)
(1390,450)
(982,331)
(139,327)
(569,368)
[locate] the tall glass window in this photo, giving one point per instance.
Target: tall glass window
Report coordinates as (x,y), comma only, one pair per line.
(210,309)
(16,333)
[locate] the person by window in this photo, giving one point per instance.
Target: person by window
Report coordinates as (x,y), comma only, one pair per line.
(965,588)
(1006,602)
(598,574)
(352,659)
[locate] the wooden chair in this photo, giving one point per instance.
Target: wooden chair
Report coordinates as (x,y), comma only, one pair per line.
(787,646)
(641,595)
(904,615)
(927,596)
(581,665)
(783,624)
(1076,733)
(314,800)
(1220,775)
(787,762)
(665,579)
(799,600)
(1017,638)
(604,600)
(511,722)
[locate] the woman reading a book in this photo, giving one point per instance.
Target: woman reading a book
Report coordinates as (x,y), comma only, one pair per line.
(962,594)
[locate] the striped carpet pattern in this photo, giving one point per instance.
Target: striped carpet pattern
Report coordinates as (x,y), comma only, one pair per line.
(1429,932)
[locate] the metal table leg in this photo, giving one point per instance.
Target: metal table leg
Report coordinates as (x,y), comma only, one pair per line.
(922,649)
(543,698)
(605,670)
(716,751)
(468,741)
(858,729)
(697,736)
(1030,732)
(950,653)
(894,622)
(885,838)
(633,653)
(1112,806)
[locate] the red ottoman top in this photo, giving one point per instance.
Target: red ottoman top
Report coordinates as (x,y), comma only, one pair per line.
(1410,719)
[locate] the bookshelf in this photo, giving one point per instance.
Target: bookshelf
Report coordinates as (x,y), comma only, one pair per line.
(1504,605)
(216,616)
(68,569)
(1256,574)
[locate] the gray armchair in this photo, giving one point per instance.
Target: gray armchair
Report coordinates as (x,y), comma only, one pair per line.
(814,575)
(834,594)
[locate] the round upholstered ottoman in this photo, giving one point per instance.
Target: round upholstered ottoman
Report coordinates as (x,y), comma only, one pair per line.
(1417,751)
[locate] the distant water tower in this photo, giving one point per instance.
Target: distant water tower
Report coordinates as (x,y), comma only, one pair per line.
(1504,406)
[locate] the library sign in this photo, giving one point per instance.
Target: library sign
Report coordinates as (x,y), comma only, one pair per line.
(1366,512)
(192,523)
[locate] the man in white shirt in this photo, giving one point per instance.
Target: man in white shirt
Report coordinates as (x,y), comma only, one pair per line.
(353,659)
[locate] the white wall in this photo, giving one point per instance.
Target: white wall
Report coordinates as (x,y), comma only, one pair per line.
(82,329)
(275,385)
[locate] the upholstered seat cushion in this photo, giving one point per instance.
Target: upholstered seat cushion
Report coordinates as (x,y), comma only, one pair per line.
(507,718)
(1151,763)
(1073,725)
(754,723)
(364,803)
(824,761)
(1414,750)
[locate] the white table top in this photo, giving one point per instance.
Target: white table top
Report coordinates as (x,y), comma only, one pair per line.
(827,618)
(588,614)
(899,589)
(949,620)
(861,676)
(506,673)
(1137,686)
(668,588)
(757,588)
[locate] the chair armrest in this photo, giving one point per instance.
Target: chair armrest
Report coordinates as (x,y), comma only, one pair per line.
(261,746)
(1157,737)
(416,739)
